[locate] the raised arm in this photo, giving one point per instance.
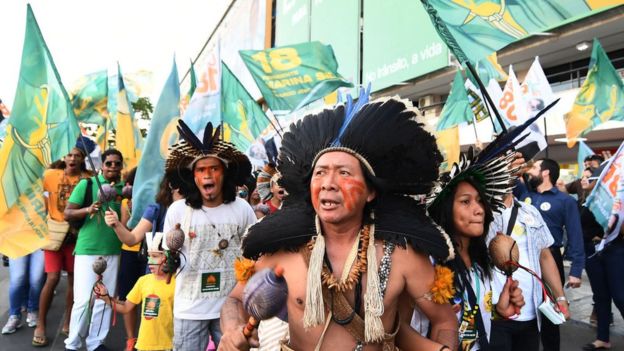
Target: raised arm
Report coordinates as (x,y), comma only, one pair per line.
(126,236)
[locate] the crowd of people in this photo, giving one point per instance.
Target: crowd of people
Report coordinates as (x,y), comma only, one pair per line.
(379,250)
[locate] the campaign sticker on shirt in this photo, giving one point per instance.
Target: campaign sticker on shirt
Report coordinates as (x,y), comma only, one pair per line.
(151,306)
(527,200)
(210,281)
(545,206)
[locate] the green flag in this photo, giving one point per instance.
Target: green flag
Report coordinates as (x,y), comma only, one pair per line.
(457,108)
(477,28)
(89,98)
(184,103)
(601,98)
(42,128)
(291,77)
(243,119)
(193,81)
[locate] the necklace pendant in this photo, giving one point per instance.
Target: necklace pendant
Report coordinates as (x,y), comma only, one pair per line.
(223,244)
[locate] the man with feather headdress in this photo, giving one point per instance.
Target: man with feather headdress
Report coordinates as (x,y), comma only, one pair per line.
(213,220)
(353,175)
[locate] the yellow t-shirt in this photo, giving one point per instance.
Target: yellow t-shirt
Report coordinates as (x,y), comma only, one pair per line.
(59,186)
(136,247)
(156,296)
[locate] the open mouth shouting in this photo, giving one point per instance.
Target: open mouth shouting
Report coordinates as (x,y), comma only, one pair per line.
(328,204)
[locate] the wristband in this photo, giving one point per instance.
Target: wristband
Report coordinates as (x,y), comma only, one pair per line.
(562,298)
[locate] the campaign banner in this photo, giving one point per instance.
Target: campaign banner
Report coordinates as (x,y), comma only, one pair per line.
(291,77)
(602,198)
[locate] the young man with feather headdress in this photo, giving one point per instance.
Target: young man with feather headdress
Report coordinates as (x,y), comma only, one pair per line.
(213,219)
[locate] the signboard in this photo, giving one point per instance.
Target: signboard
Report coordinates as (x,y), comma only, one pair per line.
(400,43)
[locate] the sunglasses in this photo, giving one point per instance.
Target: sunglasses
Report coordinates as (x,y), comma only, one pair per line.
(112,163)
(281,192)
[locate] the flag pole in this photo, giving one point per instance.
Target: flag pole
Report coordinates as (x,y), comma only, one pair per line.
(546,137)
(474,127)
(97,180)
(487,97)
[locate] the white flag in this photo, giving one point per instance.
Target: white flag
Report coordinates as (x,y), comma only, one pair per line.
(512,104)
(537,95)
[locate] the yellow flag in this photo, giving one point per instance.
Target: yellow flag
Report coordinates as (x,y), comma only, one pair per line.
(448,143)
(128,137)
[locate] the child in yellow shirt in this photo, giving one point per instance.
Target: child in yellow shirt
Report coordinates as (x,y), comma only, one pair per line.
(155,293)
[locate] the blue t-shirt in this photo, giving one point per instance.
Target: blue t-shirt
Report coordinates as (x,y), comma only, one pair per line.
(153,213)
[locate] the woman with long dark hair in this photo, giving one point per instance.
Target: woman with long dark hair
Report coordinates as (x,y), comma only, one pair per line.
(463,204)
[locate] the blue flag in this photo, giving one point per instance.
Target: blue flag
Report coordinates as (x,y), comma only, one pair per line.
(583,152)
(161,135)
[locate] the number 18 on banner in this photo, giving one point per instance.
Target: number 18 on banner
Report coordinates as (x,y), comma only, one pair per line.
(291,77)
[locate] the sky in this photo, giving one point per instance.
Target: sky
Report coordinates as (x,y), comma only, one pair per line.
(85,36)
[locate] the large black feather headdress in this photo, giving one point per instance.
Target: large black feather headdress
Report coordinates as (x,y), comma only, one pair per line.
(190,149)
(399,155)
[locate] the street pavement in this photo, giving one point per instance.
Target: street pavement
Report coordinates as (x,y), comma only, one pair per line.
(574,334)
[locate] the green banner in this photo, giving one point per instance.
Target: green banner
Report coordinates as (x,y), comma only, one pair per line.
(457,107)
(293,76)
(601,98)
(475,29)
(243,118)
(89,98)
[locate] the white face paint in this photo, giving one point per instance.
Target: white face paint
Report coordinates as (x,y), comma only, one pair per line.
(545,206)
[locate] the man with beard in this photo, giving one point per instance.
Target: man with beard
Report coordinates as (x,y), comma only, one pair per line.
(560,212)
(350,236)
(214,220)
(95,239)
(58,184)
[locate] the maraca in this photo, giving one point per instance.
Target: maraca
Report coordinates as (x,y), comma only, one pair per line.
(264,297)
(99,267)
(107,193)
(504,253)
(175,238)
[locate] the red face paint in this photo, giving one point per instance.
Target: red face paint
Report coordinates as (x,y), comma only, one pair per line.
(352,191)
(208,174)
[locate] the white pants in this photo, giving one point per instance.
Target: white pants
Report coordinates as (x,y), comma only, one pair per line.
(84,278)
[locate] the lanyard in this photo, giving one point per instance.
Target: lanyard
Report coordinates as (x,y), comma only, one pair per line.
(478,286)
(512,218)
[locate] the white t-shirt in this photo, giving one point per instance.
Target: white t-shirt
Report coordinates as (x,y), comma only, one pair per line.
(207,276)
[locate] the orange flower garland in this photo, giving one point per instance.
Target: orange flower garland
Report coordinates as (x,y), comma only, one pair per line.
(243,268)
(442,290)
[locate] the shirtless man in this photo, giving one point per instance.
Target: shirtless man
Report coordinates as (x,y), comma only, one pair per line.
(344,188)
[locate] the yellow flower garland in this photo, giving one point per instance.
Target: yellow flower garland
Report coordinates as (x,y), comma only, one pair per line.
(243,268)
(442,290)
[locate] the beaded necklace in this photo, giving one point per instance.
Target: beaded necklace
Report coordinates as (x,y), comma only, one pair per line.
(357,268)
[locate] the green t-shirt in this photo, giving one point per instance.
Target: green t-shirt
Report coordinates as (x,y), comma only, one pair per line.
(95,237)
